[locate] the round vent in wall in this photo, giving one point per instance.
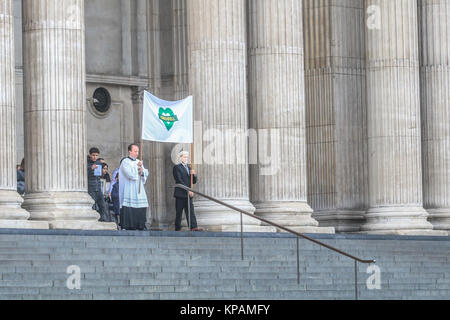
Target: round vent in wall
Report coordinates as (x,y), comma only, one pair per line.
(102,100)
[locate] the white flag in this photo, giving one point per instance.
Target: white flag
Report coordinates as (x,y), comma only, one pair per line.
(167,121)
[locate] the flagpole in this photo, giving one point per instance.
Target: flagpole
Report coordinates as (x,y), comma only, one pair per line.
(142,144)
(189,200)
(192,164)
(192,147)
(192,168)
(140,175)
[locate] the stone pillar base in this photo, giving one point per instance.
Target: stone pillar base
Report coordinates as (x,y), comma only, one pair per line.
(214,217)
(439,218)
(397,220)
(324,230)
(12,216)
(342,220)
(411,232)
(236,228)
(10,206)
(65,210)
(50,206)
(23,224)
(286,213)
(82,225)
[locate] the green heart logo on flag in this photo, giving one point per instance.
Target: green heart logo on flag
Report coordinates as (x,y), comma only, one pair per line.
(167,117)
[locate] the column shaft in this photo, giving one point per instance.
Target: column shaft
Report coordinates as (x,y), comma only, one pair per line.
(336,112)
(180,54)
(54,115)
(395,167)
(180,91)
(11,213)
(157,188)
(435,102)
(217,80)
(277,113)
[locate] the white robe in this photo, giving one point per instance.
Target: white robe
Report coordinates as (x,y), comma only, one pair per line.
(129,185)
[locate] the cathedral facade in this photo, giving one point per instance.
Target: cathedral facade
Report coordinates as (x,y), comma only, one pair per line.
(319,115)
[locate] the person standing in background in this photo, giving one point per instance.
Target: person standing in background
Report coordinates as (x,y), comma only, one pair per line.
(21,178)
(94,173)
(114,197)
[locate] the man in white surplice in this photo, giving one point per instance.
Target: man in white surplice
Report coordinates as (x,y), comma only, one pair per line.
(133,203)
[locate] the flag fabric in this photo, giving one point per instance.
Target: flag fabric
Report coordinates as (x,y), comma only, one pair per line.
(167,121)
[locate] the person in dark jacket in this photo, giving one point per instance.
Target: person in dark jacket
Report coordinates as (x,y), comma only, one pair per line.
(114,197)
(94,185)
(182,175)
(21,178)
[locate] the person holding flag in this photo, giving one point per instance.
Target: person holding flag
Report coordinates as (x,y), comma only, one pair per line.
(182,175)
(172,122)
(133,199)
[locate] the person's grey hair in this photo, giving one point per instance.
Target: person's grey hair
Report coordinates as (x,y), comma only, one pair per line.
(183,153)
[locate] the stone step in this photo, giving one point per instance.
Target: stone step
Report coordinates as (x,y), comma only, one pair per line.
(380,256)
(210,267)
(125,242)
(221,238)
(387,279)
(45,297)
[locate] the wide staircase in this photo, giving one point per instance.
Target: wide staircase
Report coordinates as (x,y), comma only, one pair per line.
(40,264)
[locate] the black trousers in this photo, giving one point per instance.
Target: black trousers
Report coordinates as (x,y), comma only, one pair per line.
(180,205)
(101,206)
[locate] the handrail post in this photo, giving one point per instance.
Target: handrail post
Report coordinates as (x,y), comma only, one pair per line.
(356,280)
(242,239)
(189,211)
(298,261)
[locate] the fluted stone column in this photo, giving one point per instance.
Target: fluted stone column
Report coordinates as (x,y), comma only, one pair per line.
(336,118)
(217,80)
(395,166)
(180,91)
(156,186)
(277,113)
(180,54)
(11,213)
(54,115)
(435,103)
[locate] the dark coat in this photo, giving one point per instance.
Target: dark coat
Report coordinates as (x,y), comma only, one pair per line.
(94,184)
(115,200)
(20,182)
(182,177)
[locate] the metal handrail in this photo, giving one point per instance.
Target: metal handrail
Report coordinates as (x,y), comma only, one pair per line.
(276,225)
(356,259)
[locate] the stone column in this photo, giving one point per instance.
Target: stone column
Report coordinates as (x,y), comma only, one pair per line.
(395,166)
(217,80)
(142,38)
(336,118)
(54,115)
(435,101)
(180,91)
(180,55)
(277,113)
(11,213)
(156,186)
